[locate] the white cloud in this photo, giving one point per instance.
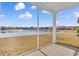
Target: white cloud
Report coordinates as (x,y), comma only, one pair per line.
(44,11)
(76,14)
(56,22)
(26,15)
(1,15)
(33,7)
(19,6)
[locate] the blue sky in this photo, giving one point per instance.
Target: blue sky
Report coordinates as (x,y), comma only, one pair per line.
(14,15)
(68,17)
(24,14)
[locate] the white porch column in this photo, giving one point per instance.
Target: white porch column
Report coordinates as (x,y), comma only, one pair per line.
(38,28)
(54,29)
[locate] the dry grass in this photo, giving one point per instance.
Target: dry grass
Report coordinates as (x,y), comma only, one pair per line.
(0,47)
(21,44)
(18,45)
(69,39)
(45,38)
(67,31)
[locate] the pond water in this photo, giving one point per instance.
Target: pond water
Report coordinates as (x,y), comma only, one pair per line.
(22,33)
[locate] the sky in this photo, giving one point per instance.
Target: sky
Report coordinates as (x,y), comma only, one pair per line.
(23,14)
(68,17)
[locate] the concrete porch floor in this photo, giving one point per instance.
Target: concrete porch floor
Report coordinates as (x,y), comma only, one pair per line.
(54,50)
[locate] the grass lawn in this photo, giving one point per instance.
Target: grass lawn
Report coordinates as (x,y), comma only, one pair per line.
(69,39)
(21,44)
(0,47)
(18,45)
(45,38)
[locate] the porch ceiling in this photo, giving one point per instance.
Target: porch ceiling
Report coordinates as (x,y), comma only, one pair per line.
(55,6)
